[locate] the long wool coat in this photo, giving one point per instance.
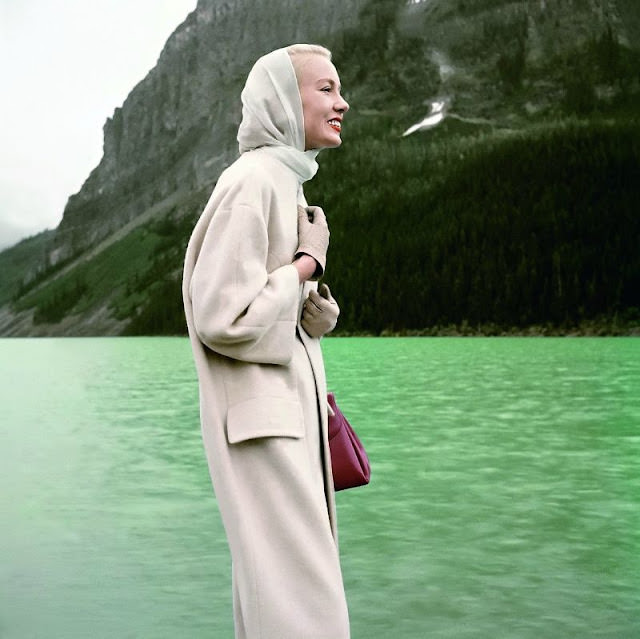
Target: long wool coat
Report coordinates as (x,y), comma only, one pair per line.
(263,403)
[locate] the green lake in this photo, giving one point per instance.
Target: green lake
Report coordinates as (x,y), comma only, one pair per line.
(504,501)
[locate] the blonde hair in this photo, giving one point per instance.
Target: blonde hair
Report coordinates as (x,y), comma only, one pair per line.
(300,53)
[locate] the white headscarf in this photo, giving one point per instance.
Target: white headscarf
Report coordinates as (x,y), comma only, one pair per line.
(272,114)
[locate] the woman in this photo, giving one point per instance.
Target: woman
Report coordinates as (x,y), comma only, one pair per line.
(255,317)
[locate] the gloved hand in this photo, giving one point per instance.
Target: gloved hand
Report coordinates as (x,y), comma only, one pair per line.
(320,312)
(313,235)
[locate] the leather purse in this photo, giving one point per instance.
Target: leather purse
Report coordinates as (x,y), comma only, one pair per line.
(349,461)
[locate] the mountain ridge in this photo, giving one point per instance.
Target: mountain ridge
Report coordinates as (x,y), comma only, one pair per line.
(498,64)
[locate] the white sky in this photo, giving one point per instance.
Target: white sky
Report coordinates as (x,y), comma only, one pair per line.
(65,65)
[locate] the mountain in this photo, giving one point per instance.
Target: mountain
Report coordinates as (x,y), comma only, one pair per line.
(176,130)
(546,84)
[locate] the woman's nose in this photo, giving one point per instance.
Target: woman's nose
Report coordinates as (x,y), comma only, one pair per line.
(342,106)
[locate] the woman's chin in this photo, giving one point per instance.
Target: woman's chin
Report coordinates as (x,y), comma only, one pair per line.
(334,142)
(325,145)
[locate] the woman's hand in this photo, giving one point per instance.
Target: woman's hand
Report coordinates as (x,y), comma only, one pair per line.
(313,236)
(320,312)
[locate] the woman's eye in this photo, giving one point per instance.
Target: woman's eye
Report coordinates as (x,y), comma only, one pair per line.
(326,89)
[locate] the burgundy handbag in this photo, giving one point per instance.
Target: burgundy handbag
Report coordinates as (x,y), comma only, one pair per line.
(349,461)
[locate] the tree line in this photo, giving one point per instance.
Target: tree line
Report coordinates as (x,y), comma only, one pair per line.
(537,228)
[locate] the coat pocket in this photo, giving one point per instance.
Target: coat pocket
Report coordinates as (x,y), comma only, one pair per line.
(264,417)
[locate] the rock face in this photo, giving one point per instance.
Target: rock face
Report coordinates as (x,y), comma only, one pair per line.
(176,130)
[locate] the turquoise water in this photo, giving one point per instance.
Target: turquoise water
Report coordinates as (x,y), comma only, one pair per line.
(505,495)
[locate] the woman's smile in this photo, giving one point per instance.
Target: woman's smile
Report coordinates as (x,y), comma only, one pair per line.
(323,106)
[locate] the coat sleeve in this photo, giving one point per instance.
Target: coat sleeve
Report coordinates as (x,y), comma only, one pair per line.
(238,308)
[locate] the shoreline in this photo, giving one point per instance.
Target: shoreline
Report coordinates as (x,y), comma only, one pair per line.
(584,329)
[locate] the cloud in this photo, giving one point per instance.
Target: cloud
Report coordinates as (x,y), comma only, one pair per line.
(64,68)
(11,233)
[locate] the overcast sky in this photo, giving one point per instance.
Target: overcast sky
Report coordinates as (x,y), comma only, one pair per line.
(65,65)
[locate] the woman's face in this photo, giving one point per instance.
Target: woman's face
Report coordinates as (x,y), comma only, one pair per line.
(322,105)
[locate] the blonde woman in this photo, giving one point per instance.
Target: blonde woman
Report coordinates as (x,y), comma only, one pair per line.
(255,316)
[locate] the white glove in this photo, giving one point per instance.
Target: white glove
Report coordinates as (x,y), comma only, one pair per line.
(320,312)
(313,235)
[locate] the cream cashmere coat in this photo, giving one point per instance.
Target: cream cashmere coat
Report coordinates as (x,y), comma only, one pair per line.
(261,377)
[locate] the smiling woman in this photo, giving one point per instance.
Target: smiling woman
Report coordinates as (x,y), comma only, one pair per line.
(322,104)
(255,317)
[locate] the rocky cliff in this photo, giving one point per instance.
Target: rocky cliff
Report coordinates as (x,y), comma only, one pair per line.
(176,130)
